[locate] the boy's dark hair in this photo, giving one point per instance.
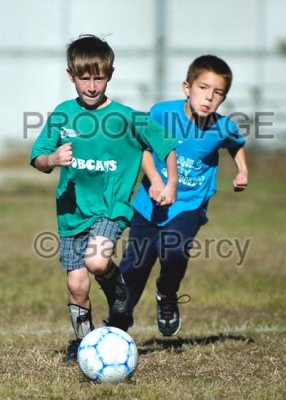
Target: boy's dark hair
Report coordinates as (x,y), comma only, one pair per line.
(210,63)
(90,54)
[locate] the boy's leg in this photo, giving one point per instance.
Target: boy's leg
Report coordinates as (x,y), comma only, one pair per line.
(138,259)
(81,320)
(175,243)
(79,304)
(115,290)
(98,261)
(78,284)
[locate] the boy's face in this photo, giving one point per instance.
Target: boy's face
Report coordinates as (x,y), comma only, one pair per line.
(205,95)
(90,88)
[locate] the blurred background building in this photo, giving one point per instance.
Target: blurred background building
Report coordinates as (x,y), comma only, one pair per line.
(154,42)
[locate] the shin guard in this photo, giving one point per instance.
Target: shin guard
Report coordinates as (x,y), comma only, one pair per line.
(81,320)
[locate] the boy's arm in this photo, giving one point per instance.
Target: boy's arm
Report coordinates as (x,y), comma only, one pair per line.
(169,193)
(241,180)
(156,182)
(61,157)
(163,195)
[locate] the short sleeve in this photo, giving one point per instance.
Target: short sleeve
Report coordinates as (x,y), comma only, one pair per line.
(233,139)
(157,138)
(48,140)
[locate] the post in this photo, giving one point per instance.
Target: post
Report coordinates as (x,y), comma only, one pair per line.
(160,46)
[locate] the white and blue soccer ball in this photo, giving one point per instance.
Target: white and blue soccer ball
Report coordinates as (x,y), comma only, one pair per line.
(107,354)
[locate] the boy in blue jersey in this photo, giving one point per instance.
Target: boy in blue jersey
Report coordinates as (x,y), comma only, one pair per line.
(167,233)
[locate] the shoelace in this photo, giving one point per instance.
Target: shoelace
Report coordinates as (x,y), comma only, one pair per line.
(168,305)
(188,299)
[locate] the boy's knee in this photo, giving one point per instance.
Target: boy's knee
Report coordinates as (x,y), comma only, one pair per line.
(97,265)
(78,287)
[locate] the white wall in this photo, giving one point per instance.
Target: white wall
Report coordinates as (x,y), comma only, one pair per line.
(34,34)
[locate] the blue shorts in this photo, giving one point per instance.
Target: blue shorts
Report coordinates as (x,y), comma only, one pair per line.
(73,248)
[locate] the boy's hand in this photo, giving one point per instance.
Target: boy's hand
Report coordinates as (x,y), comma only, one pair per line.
(155,190)
(62,157)
(168,195)
(240,182)
(163,195)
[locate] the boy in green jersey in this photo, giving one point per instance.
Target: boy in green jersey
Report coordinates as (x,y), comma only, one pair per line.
(98,143)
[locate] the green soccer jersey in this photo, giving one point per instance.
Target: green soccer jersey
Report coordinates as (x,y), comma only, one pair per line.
(107,147)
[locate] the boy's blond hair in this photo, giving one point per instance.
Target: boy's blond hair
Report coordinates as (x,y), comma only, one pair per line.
(90,54)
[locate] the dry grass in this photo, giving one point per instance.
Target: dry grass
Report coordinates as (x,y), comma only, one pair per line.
(232,344)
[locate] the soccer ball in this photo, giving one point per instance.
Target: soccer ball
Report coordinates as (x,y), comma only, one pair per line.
(107,354)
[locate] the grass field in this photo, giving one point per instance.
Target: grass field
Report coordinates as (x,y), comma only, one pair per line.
(232,344)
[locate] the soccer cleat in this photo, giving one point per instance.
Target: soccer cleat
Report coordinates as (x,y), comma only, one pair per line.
(121,321)
(168,315)
(71,353)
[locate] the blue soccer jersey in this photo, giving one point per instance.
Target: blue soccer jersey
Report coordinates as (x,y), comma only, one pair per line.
(197,159)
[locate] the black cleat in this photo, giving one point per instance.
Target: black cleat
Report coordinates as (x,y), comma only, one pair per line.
(121,321)
(71,353)
(168,315)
